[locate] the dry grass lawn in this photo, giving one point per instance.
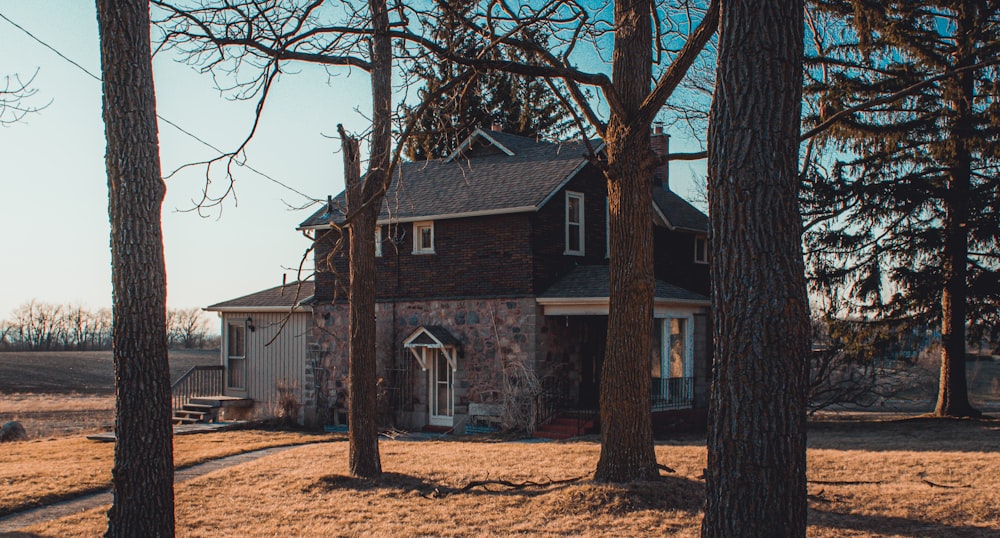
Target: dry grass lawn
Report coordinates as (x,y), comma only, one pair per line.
(43,471)
(911,478)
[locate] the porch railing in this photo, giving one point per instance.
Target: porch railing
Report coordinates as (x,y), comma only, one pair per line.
(198,381)
(550,400)
(672,393)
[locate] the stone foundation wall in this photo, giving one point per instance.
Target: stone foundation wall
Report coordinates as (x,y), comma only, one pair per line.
(493,333)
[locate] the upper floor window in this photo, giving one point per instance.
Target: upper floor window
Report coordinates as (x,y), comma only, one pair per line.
(700,249)
(423,237)
(574,223)
(378,240)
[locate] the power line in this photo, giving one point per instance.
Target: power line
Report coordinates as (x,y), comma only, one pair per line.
(165,120)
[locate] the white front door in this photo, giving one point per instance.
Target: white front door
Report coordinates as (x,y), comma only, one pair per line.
(440,388)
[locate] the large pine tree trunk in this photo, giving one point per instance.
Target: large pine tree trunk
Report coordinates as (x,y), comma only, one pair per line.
(626,426)
(143,472)
(953,394)
(756,475)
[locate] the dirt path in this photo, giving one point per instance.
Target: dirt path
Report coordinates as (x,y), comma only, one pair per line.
(14,522)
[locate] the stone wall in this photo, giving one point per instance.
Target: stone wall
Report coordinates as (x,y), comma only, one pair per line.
(493,334)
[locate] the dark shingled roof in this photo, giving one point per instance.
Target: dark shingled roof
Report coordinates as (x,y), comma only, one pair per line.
(482,178)
(588,281)
(276,297)
(478,181)
(679,212)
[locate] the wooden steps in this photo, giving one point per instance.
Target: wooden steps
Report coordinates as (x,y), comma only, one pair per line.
(205,409)
(564,428)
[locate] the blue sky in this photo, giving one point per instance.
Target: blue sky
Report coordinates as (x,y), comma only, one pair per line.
(53,186)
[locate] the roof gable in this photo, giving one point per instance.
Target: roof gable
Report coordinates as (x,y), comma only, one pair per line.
(479,144)
(477,183)
(494,173)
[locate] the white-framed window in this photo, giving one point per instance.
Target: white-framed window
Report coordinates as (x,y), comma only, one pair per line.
(700,249)
(236,355)
(378,240)
(673,363)
(574,223)
(423,237)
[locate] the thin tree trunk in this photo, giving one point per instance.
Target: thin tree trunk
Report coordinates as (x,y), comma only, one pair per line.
(626,426)
(953,394)
(756,474)
(363,456)
(143,472)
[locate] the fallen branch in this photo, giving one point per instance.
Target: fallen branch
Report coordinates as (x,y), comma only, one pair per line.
(664,468)
(441,491)
(846,482)
(946,486)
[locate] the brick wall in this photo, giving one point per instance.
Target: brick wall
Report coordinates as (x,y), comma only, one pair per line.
(548,235)
(673,261)
(479,256)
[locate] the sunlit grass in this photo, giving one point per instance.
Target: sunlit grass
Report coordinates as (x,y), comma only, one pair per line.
(36,472)
(890,482)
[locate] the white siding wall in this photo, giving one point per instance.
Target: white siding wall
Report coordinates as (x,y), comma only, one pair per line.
(282,361)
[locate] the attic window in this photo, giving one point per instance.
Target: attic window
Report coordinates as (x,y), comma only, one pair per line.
(700,249)
(574,223)
(423,237)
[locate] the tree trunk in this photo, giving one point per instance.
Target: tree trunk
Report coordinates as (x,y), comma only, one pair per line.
(626,426)
(363,456)
(953,394)
(143,473)
(756,474)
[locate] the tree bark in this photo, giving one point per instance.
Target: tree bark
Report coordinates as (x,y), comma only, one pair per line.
(363,456)
(626,425)
(953,394)
(365,198)
(143,472)
(756,474)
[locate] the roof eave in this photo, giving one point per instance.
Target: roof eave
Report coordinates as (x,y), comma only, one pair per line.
(467,214)
(301,307)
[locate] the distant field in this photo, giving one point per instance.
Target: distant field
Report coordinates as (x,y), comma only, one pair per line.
(55,394)
(85,372)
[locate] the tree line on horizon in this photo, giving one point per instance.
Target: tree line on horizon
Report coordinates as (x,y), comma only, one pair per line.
(41,326)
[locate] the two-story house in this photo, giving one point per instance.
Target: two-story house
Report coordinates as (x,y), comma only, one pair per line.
(492,278)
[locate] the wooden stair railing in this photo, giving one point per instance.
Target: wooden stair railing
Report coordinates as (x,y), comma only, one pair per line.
(198,381)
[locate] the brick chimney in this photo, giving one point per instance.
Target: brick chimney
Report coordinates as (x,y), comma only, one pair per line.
(660,143)
(496,127)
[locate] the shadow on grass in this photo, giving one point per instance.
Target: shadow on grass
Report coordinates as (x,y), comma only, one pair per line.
(577,495)
(895,526)
(917,434)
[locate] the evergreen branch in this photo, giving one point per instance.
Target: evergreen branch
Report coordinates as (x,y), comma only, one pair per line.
(909,90)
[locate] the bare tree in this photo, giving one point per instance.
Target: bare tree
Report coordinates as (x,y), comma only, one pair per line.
(756,474)
(302,32)
(37,326)
(16,99)
(143,472)
(214,33)
(187,327)
(634,97)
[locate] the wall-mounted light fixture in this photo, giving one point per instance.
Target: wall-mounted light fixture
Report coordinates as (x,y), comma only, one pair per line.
(250,324)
